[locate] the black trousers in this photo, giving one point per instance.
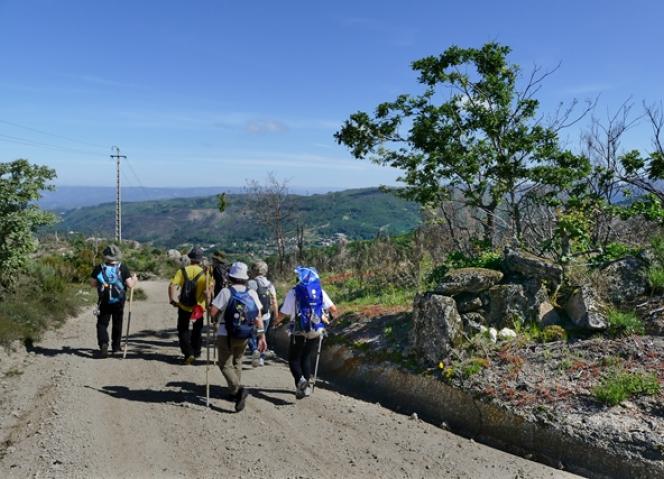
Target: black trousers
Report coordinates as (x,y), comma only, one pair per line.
(106,313)
(190,341)
(301,356)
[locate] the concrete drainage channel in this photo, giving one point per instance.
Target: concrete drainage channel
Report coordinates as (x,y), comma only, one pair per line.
(437,403)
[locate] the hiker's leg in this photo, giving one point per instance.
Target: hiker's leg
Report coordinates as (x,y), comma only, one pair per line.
(238,346)
(183,332)
(308,357)
(295,349)
(225,355)
(196,337)
(103,318)
(116,328)
(266,325)
(252,343)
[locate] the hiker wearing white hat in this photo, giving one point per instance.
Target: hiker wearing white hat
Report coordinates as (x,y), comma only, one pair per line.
(238,311)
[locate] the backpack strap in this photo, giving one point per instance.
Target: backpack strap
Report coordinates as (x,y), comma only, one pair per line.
(184,274)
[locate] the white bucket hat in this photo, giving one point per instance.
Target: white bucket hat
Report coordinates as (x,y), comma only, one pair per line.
(238,271)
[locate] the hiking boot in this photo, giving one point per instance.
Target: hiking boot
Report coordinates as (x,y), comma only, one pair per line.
(269,354)
(302,385)
(255,358)
(103,351)
(241,399)
(189,360)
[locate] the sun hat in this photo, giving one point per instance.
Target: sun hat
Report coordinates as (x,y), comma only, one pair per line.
(218,256)
(196,254)
(112,253)
(238,271)
(259,268)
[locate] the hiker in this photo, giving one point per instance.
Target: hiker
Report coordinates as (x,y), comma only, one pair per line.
(268,298)
(111,279)
(309,309)
(190,304)
(219,272)
(238,311)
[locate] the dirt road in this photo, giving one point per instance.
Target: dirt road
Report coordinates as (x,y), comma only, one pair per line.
(65,414)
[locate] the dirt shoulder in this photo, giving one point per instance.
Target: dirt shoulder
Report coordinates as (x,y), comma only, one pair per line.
(545,384)
(64,413)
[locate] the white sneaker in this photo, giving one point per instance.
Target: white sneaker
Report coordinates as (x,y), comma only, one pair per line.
(255,357)
(308,391)
(302,385)
(261,362)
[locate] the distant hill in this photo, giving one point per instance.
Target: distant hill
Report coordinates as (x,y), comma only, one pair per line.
(359,214)
(68,197)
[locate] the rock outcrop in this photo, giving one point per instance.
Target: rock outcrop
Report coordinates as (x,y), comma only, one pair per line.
(468,280)
(584,309)
(625,279)
(534,267)
(437,326)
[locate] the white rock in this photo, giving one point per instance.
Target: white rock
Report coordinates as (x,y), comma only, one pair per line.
(493,335)
(506,333)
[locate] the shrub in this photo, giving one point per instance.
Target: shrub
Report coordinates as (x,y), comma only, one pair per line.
(474,366)
(614,251)
(656,278)
(553,333)
(620,385)
(623,324)
(457,259)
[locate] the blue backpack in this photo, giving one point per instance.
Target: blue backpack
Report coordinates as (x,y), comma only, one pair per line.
(309,300)
(110,285)
(240,314)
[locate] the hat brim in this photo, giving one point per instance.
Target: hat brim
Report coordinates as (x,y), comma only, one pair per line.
(243,277)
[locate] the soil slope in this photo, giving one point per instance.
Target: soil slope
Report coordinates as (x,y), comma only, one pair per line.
(64,413)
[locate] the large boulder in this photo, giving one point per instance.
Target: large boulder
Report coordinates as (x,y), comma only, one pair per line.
(547,315)
(437,326)
(174,254)
(584,309)
(625,279)
(468,280)
(468,303)
(508,305)
(534,267)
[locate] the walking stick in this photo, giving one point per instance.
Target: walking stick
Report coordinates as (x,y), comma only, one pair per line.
(207,340)
(320,343)
(131,298)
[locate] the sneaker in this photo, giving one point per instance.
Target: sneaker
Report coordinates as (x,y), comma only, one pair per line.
(261,362)
(241,399)
(269,354)
(255,359)
(307,391)
(103,351)
(302,385)
(189,360)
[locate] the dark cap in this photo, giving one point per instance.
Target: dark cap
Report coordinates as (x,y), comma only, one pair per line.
(196,254)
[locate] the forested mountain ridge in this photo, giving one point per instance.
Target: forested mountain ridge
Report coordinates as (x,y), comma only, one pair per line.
(358,213)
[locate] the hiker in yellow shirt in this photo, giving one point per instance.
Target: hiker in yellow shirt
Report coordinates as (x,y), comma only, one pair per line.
(190,280)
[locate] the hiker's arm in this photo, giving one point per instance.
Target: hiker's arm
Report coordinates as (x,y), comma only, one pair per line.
(132,281)
(172,290)
(260,331)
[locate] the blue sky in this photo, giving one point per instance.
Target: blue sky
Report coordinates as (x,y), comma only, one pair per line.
(217,92)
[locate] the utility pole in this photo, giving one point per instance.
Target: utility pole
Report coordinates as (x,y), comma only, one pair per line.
(118,208)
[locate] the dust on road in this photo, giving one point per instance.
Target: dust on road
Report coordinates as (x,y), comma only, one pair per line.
(67,414)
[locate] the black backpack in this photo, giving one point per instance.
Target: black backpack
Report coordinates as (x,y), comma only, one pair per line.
(188,290)
(263,293)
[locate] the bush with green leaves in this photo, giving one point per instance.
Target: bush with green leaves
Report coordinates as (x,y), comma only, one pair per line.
(618,386)
(21,184)
(623,323)
(482,259)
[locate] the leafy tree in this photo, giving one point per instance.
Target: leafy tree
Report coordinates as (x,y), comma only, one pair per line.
(20,185)
(472,137)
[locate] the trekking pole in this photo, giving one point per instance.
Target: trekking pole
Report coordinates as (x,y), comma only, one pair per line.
(131,298)
(320,343)
(207,340)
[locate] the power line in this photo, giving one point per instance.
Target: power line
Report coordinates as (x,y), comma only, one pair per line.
(51,134)
(28,142)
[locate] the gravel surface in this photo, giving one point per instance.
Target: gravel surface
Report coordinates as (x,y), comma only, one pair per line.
(64,414)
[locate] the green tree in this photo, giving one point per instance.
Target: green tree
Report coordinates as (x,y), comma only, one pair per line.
(21,184)
(472,137)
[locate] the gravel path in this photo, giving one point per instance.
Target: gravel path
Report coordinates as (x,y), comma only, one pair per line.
(65,414)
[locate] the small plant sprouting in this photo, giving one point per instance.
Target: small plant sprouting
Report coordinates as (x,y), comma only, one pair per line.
(624,324)
(618,386)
